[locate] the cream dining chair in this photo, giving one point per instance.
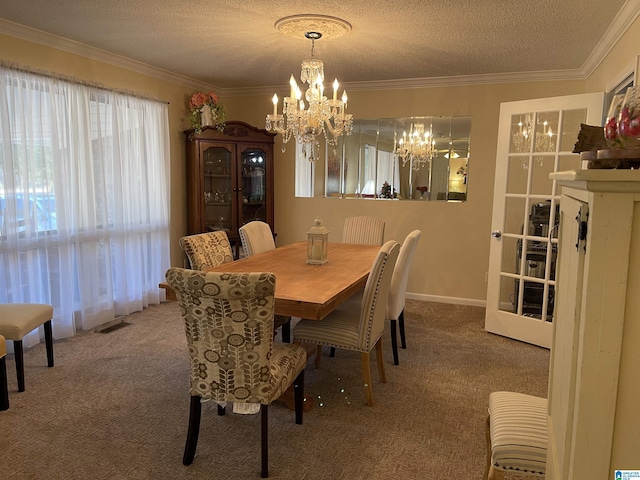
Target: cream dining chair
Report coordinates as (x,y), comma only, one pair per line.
(363,230)
(397,292)
(360,330)
(17,320)
(256,237)
(207,250)
(229,327)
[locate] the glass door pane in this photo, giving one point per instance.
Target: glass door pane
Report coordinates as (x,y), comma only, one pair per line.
(254,185)
(217,188)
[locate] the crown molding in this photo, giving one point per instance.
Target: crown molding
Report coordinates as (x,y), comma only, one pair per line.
(50,40)
(621,23)
(429,82)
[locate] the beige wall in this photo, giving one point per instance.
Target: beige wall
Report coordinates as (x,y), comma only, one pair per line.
(453,255)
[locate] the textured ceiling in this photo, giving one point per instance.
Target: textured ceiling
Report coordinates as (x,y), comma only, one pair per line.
(233,44)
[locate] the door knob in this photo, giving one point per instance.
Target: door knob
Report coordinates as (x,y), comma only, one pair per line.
(496,233)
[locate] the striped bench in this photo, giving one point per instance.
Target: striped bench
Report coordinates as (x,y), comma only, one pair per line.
(516,435)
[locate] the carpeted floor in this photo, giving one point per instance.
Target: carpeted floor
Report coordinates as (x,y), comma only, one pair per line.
(115,406)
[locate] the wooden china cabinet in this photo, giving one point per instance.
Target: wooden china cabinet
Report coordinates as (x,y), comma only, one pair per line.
(229,178)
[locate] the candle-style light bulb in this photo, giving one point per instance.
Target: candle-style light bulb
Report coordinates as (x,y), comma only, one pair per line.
(344,98)
(275,103)
(294,86)
(335,89)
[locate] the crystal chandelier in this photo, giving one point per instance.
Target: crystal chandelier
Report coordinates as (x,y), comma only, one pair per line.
(308,117)
(418,147)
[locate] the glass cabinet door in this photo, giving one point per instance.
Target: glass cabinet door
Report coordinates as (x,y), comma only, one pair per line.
(254,185)
(217,189)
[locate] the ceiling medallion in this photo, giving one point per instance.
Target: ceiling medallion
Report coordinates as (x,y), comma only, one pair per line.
(297,26)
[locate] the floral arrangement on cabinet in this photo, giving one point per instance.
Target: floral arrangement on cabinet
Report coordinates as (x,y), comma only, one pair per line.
(206,110)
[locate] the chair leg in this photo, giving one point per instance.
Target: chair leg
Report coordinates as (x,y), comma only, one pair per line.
(298,396)
(403,340)
(194,430)
(489,472)
(221,410)
(17,349)
(366,379)
(4,390)
(380,361)
(318,356)
(48,339)
(495,474)
(286,332)
(394,342)
(264,410)
(332,352)
(488,437)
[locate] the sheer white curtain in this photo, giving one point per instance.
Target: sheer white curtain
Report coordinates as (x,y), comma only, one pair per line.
(84,200)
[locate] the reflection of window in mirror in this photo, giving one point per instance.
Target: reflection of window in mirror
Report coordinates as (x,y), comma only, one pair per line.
(304,174)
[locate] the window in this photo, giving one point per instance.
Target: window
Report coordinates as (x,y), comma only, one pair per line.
(83,199)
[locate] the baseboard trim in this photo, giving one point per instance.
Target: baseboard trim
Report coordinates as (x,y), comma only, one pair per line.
(440,299)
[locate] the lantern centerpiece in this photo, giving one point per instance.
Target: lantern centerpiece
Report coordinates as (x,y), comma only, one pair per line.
(317,244)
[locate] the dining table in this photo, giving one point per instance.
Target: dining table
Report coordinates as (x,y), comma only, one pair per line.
(307,290)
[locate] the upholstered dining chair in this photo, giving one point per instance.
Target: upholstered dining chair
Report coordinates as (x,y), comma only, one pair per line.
(229,326)
(4,390)
(18,319)
(398,290)
(360,330)
(256,237)
(363,230)
(207,250)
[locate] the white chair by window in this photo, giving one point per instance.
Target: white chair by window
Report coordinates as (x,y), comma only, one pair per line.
(18,319)
(359,330)
(363,230)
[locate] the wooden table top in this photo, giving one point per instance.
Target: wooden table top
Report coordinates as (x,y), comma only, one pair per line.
(310,291)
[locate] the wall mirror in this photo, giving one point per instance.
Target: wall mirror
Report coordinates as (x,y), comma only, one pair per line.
(413,158)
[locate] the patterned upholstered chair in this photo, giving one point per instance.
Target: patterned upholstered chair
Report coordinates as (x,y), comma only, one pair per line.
(18,319)
(363,231)
(516,435)
(229,328)
(256,237)
(4,390)
(207,250)
(361,329)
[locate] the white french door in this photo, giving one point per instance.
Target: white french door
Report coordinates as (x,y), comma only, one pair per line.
(535,138)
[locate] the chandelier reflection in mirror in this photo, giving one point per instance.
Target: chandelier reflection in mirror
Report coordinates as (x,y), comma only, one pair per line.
(314,115)
(418,147)
(523,132)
